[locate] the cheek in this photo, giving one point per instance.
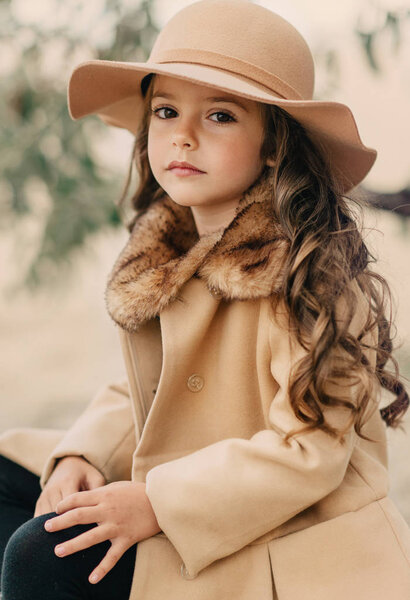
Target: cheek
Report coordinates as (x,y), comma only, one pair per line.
(151,139)
(153,148)
(241,153)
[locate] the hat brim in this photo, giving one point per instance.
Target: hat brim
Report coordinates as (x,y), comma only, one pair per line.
(112,90)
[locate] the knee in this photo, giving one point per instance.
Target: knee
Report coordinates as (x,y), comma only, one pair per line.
(29,543)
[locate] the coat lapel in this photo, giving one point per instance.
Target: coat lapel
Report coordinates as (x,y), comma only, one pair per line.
(242,261)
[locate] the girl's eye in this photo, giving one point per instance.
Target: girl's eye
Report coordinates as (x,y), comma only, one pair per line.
(167,108)
(156,111)
(225,114)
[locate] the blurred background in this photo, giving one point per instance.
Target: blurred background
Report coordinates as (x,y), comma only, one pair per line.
(60,230)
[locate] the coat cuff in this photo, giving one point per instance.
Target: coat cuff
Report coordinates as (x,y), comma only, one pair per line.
(219,499)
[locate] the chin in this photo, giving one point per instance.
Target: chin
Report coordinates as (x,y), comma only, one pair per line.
(186,198)
(181,201)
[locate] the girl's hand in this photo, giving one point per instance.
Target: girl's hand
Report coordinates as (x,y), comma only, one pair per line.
(71,474)
(123,514)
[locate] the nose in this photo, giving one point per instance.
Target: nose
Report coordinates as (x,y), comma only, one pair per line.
(184,134)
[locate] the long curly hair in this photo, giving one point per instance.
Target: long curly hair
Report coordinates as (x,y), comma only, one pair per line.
(327,252)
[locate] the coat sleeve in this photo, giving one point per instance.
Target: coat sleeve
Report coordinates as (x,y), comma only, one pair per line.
(104,435)
(214,501)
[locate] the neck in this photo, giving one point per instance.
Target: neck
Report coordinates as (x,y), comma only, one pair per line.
(211,218)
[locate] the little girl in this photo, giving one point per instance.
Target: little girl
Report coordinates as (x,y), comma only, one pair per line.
(245,455)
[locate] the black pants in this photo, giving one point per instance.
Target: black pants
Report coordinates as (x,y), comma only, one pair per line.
(30,569)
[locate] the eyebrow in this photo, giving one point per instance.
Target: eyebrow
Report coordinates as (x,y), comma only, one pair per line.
(210,99)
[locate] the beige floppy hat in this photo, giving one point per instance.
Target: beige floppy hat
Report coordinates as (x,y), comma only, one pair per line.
(238,47)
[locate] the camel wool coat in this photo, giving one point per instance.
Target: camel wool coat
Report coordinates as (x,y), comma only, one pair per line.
(201,419)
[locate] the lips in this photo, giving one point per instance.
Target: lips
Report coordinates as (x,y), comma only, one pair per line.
(183,165)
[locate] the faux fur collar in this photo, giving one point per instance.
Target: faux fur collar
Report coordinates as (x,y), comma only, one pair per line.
(241,261)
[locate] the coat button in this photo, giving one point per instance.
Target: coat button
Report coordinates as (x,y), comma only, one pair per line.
(214,292)
(185,574)
(195,383)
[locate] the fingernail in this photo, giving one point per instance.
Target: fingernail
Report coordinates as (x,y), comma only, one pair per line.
(94,578)
(60,550)
(48,525)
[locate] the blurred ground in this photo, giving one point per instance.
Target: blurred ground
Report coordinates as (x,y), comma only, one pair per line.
(57,350)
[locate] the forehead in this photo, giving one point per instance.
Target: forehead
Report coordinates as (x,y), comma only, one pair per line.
(174,89)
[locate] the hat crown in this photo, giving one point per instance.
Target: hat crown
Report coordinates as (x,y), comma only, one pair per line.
(250,35)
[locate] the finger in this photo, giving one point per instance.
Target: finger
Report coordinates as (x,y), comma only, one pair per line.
(53,497)
(40,507)
(93,536)
(89,498)
(39,510)
(95,480)
(68,490)
(108,562)
(76,516)
(47,502)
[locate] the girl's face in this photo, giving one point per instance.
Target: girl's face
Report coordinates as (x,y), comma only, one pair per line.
(221,138)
